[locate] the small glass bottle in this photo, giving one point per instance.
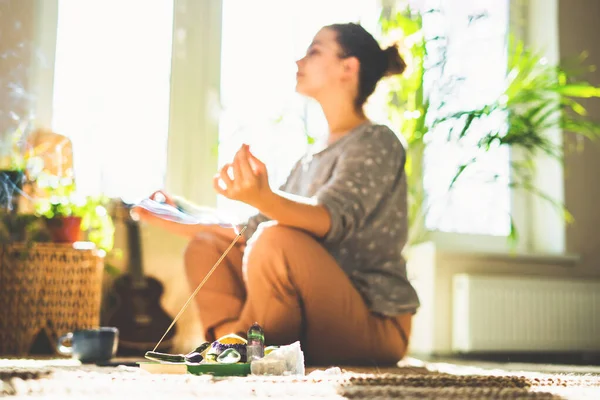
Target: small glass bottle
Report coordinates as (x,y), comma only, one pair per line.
(255,348)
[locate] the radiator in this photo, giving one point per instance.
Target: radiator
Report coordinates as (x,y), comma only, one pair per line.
(521,314)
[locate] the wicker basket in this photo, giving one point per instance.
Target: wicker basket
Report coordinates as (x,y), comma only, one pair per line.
(49,286)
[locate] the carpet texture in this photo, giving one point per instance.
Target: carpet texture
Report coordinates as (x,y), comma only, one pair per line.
(405,382)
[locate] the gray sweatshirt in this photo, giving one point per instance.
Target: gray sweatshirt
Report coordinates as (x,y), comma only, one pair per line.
(360,180)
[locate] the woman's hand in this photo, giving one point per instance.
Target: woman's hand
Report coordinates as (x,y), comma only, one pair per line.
(250,181)
(180,229)
(163,197)
(142,214)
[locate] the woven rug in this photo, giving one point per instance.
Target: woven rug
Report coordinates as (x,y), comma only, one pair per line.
(47,380)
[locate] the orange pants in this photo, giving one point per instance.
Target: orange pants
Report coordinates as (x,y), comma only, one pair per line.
(288,283)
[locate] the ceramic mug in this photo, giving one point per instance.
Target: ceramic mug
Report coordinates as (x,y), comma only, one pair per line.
(90,345)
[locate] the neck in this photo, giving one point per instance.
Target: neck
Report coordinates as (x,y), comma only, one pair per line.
(341,118)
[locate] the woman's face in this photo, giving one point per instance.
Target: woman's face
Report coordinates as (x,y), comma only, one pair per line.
(321,69)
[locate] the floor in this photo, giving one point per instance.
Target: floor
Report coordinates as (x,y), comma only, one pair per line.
(554,368)
(443,364)
(417,377)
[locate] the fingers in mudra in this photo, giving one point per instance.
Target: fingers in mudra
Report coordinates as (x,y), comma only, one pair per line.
(232,183)
(223,182)
(224,175)
(245,179)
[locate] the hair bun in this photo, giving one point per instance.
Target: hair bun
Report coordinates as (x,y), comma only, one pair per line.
(395,62)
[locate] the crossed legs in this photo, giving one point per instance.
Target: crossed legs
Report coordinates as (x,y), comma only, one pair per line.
(288,283)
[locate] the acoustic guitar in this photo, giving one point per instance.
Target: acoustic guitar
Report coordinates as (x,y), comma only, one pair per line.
(137,311)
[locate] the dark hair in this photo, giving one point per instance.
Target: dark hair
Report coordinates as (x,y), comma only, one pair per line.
(375,63)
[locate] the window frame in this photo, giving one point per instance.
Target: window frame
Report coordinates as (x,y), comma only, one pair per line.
(194,92)
(193,136)
(45,14)
(540,228)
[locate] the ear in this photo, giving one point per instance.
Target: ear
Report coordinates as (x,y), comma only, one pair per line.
(351,67)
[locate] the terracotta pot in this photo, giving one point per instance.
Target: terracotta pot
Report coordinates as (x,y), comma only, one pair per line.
(64,229)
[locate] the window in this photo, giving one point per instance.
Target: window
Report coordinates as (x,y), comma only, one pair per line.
(111,92)
(258,77)
(261,108)
(120,89)
(474,37)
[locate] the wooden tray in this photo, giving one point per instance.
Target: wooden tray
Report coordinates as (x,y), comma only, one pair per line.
(238,369)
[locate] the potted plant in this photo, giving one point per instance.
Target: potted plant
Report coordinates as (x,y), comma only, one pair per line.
(71,217)
(22,228)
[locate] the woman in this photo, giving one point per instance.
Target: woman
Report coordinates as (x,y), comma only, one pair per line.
(321,262)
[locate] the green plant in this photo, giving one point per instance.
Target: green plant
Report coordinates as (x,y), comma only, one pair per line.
(27,228)
(62,200)
(408,106)
(12,155)
(537,97)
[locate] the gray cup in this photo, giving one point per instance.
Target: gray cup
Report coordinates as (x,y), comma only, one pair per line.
(90,345)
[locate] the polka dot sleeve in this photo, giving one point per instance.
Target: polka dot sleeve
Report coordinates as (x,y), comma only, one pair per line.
(368,170)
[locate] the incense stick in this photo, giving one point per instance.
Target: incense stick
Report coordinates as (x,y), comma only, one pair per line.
(200,286)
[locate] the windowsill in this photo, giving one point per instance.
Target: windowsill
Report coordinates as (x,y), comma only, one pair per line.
(563,260)
(457,256)
(497,248)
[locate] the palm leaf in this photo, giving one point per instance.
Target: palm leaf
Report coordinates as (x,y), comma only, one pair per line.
(537,97)
(460,171)
(581,90)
